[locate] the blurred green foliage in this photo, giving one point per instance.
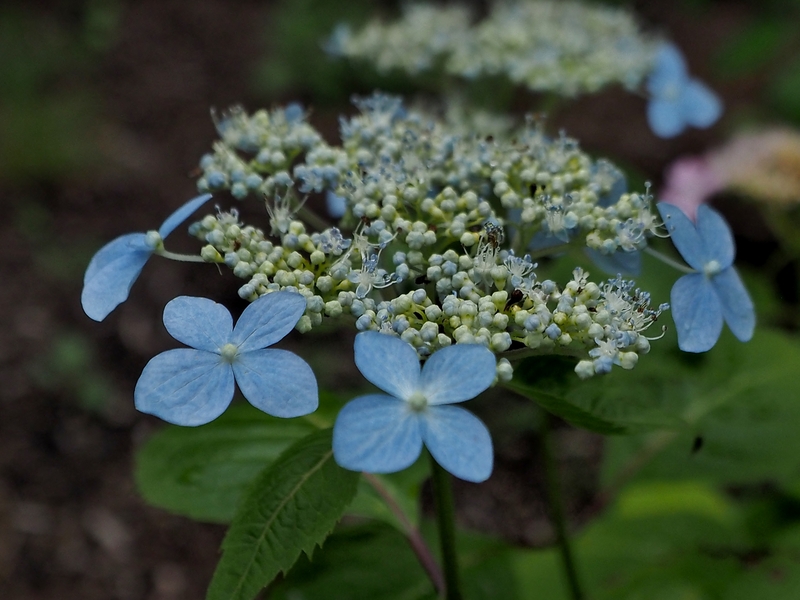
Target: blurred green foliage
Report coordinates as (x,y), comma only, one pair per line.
(70,367)
(48,108)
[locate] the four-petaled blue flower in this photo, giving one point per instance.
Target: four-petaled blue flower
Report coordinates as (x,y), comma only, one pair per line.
(116,265)
(701,301)
(192,386)
(676,99)
(381,433)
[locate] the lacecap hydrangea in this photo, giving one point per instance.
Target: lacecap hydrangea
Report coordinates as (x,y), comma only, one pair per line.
(440,234)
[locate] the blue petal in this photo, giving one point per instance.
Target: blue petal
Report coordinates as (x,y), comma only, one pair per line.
(542,240)
(459,441)
(669,71)
(625,263)
(388,362)
(276,381)
(336,205)
(293,112)
(697,313)
(111,274)
(665,117)
(457,373)
(377,434)
(701,107)
(737,307)
(185,387)
(716,235)
(268,320)
(180,215)
(198,322)
(684,235)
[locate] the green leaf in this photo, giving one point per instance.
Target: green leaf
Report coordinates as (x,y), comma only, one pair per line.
(742,414)
(290,508)
(201,472)
(375,561)
(609,404)
(645,547)
(367,561)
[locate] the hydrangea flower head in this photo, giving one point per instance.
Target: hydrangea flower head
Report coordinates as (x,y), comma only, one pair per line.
(678,100)
(192,386)
(113,270)
(384,433)
(702,301)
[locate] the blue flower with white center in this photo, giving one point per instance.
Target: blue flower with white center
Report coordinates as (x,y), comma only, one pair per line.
(701,301)
(677,100)
(384,433)
(192,386)
(113,270)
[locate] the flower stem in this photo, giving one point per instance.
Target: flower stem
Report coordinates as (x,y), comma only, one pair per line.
(180,257)
(415,539)
(667,260)
(445,516)
(556,505)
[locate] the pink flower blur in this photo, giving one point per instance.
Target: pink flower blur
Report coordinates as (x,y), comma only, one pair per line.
(690,182)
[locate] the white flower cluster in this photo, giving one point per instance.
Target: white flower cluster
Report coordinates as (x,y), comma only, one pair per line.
(428,257)
(547,45)
(255,151)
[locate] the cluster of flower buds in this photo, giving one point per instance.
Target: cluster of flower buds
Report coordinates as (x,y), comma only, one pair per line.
(442,229)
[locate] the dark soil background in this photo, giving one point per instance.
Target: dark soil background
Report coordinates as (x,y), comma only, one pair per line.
(104,114)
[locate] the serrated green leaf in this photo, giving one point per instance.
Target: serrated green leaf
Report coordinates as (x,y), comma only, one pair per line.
(289,508)
(201,472)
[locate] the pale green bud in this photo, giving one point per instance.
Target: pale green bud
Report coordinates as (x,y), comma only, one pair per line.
(584,369)
(210,254)
(505,372)
(628,360)
(333,309)
(304,324)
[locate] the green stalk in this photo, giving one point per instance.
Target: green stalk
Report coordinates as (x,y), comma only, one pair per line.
(445,517)
(556,505)
(413,535)
(667,260)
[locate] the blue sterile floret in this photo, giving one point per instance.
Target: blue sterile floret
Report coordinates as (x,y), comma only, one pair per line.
(384,433)
(192,386)
(701,301)
(677,100)
(115,267)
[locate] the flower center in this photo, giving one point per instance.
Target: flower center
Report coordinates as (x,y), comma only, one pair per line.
(418,402)
(671,92)
(712,268)
(153,240)
(229,352)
